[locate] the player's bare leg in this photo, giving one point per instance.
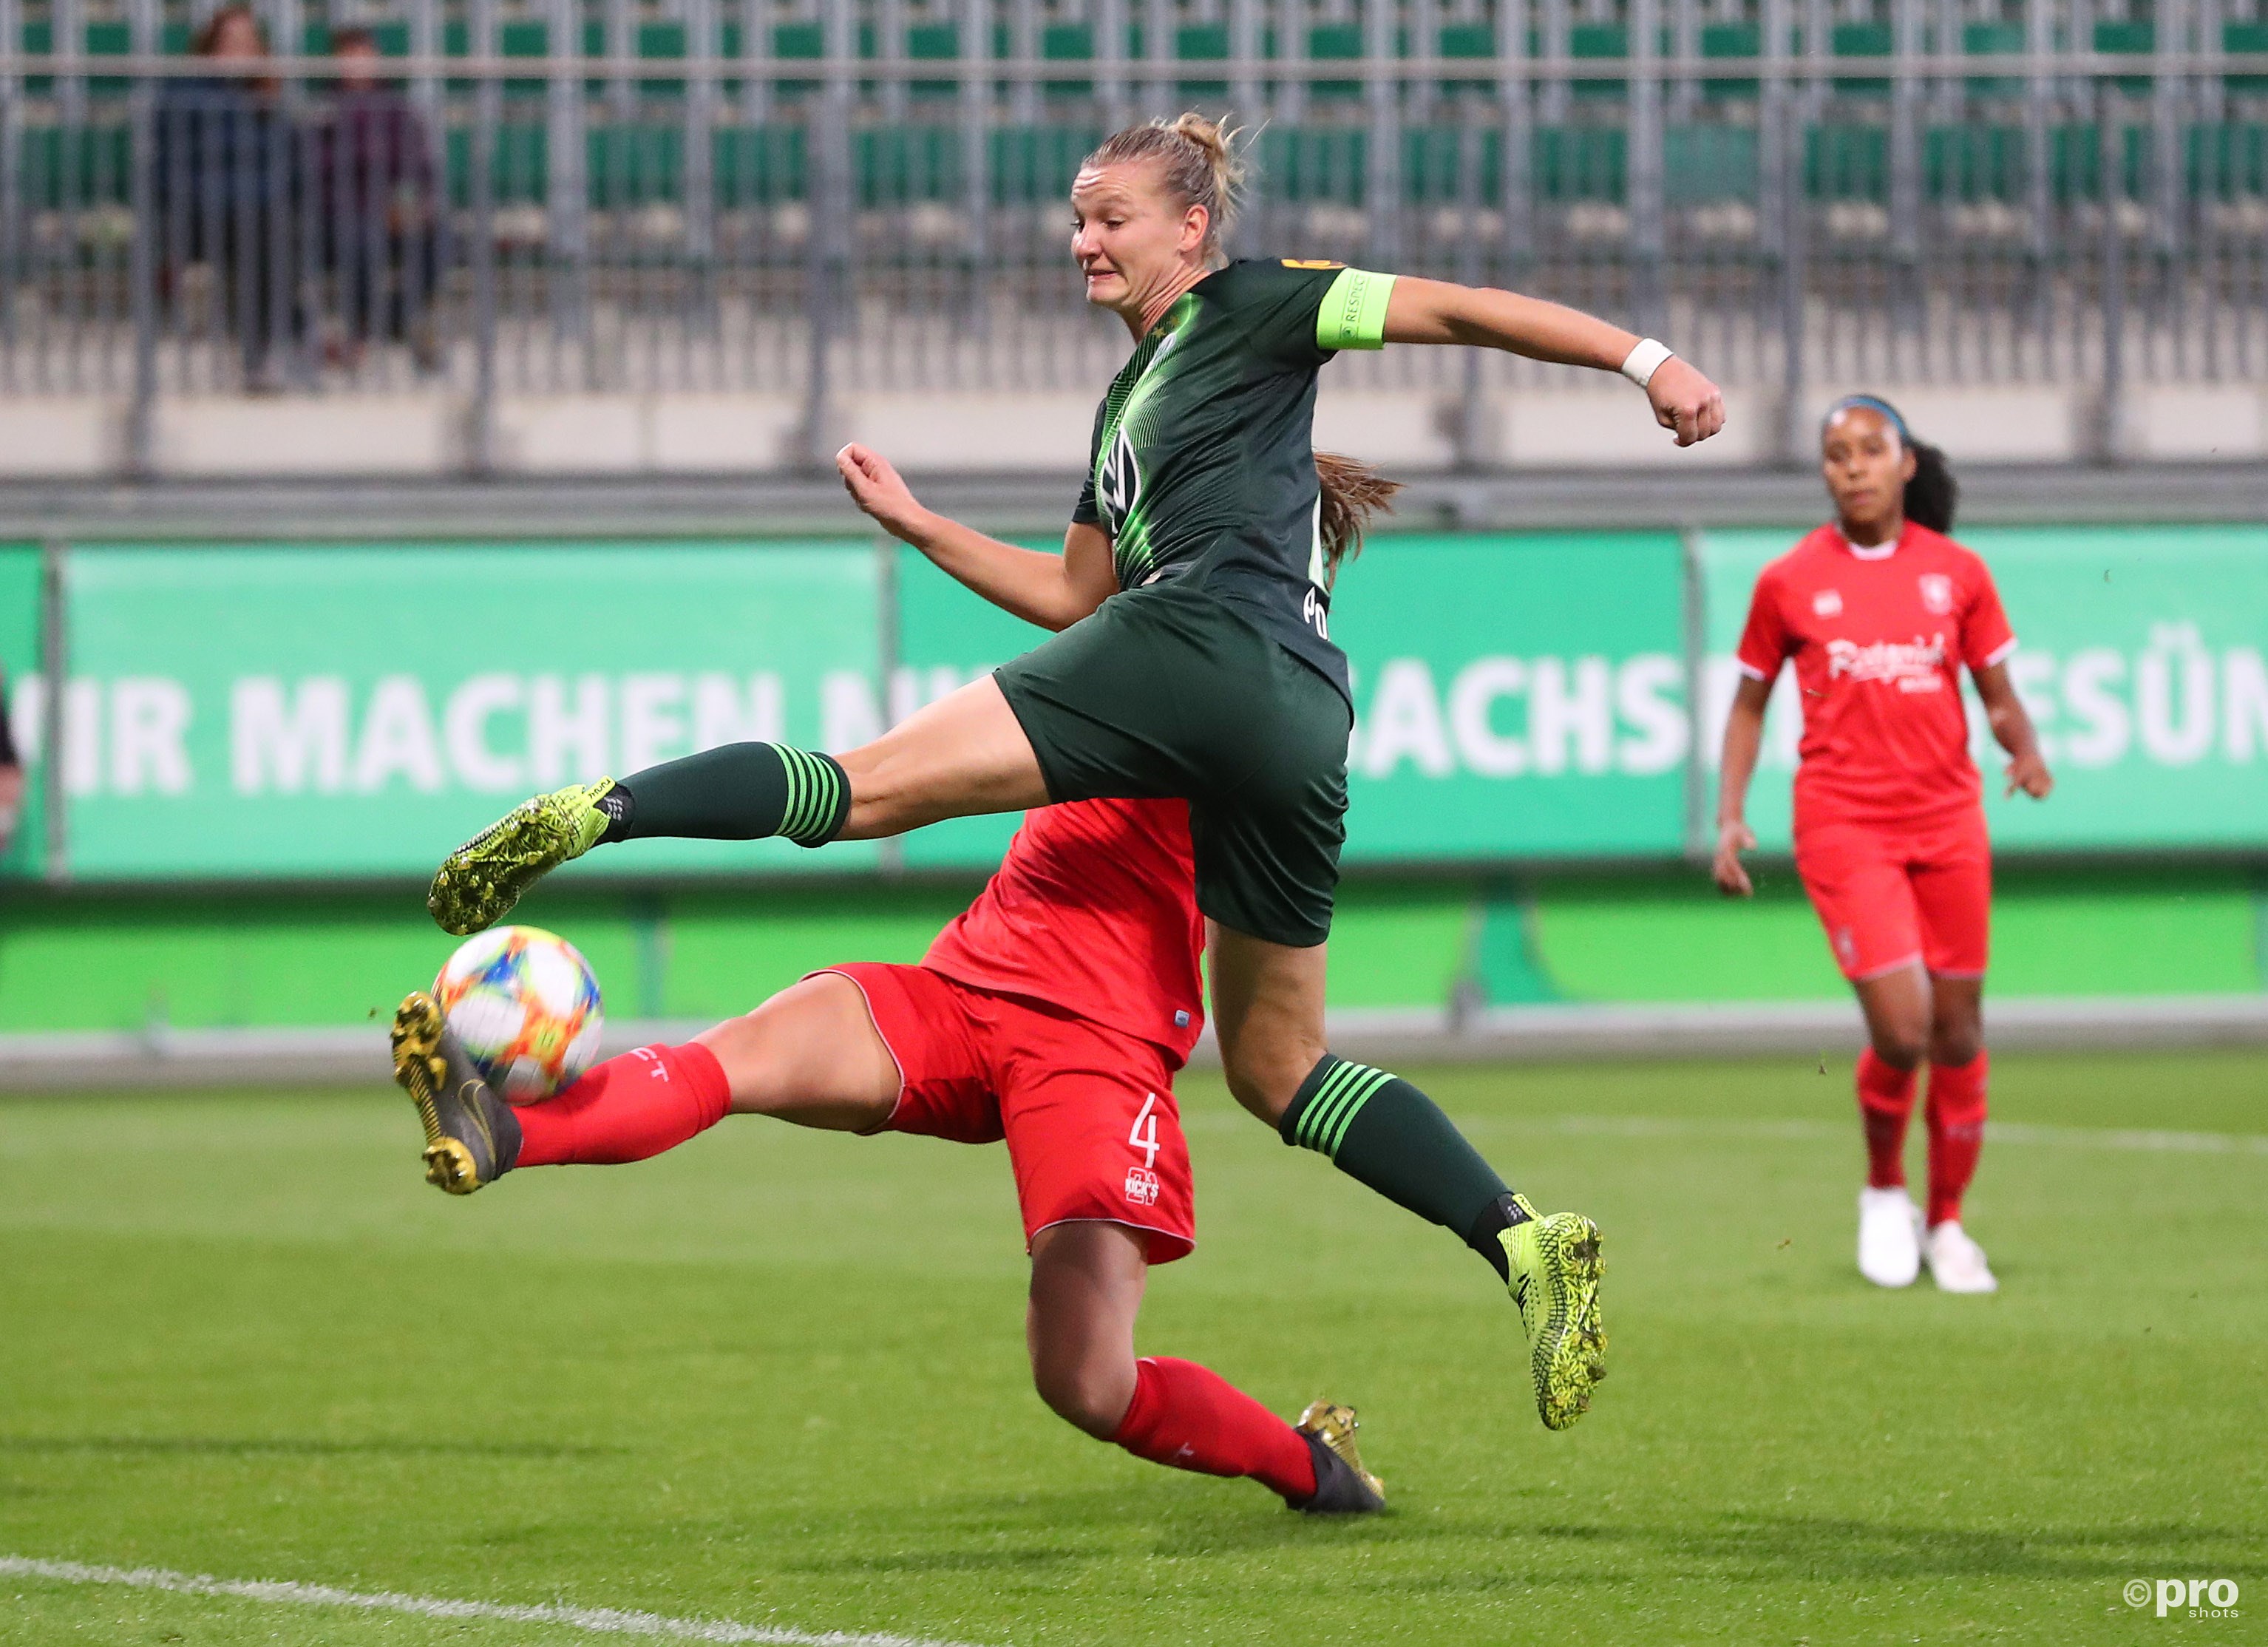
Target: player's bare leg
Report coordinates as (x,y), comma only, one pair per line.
(964,756)
(1087,1281)
(1268,1012)
(812,1055)
(1956,1018)
(1898,1007)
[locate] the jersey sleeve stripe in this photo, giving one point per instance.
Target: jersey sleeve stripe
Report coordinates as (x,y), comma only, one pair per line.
(2000,653)
(1749,669)
(1353,315)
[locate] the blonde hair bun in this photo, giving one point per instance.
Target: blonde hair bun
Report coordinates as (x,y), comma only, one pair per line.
(1199,159)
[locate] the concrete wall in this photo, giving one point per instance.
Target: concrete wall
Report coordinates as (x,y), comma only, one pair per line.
(414,435)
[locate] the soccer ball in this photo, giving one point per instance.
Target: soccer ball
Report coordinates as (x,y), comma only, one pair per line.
(525,1006)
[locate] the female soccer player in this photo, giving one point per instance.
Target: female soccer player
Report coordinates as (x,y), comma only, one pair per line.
(1053,1013)
(1194,661)
(1880,612)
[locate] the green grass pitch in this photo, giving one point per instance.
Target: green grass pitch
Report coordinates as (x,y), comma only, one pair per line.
(779,1378)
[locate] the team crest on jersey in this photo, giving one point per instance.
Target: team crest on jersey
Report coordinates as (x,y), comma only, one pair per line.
(1827,604)
(1937,592)
(1118,483)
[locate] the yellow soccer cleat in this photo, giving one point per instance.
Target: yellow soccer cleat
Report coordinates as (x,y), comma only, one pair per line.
(478,884)
(1556,1267)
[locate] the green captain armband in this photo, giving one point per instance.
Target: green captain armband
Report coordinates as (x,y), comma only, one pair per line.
(1353,315)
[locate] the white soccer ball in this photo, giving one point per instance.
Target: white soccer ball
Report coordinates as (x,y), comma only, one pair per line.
(525,1005)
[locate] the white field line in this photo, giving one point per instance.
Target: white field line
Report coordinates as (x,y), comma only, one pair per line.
(597,1620)
(1806,1131)
(1997,1132)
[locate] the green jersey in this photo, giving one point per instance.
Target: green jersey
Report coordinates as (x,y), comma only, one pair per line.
(1203,465)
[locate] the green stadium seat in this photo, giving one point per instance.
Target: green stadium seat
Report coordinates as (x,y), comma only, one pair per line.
(1862,40)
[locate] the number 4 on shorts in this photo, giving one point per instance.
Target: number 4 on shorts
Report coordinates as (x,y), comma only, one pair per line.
(1144,1134)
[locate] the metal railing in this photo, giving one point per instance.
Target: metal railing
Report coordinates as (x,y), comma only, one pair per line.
(807,200)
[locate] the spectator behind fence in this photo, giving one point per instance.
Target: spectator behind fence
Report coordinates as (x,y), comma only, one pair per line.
(224,166)
(11,777)
(381,221)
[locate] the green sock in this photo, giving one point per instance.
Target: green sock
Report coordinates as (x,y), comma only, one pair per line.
(1384,1132)
(734,793)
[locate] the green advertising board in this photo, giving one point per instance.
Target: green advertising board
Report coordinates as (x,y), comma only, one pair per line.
(1519,697)
(286,712)
(2141,658)
(248,712)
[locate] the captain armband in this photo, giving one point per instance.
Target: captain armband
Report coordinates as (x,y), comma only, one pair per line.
(1353,315)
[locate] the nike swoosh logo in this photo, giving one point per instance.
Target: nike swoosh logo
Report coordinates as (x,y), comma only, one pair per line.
(466,1097)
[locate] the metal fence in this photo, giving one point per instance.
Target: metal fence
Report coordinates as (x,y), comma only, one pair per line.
(810,196)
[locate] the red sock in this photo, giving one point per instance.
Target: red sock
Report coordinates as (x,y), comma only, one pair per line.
(1886,1096)
(1955,1114)
(627,1108)
(1190,1418)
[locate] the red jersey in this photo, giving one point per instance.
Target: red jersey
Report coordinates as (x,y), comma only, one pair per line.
(1879,637)
(1093,910)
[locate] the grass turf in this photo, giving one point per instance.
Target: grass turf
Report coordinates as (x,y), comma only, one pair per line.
(779,1378)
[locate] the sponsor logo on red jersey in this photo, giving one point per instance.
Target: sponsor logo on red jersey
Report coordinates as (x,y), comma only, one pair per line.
(1914,665)
(1142,1186)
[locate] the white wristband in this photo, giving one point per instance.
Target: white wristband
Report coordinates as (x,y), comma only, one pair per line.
(1645,360)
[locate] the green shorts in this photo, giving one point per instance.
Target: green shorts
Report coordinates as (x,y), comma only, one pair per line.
(1167,691)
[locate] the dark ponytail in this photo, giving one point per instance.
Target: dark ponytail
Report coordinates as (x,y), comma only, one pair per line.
(1932,495)
(1352,493)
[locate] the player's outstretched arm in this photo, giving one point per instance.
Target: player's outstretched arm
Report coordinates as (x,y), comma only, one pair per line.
(1441,311)
(2012,726)
(1052,590)
(1744,736)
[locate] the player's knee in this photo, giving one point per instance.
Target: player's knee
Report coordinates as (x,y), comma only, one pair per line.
(1256,1093)
(754,1058)
(1900,1046)
(1085,1392)
(1955,1043)
(1266,1080)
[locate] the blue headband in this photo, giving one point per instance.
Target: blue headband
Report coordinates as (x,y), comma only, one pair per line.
(1872,403)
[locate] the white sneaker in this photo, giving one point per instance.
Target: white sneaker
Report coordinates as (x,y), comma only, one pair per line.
(1957,1263)
(1889,1237)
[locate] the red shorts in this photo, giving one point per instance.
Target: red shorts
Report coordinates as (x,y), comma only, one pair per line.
(1088,1113)
(1891,896)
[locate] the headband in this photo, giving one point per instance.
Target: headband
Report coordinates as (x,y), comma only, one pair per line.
(1872,403)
